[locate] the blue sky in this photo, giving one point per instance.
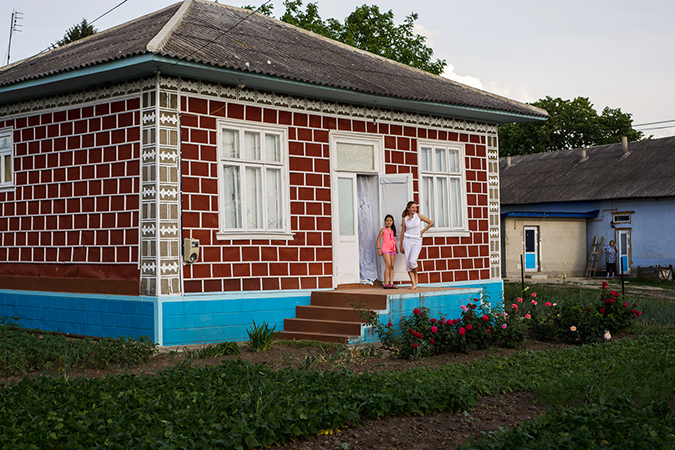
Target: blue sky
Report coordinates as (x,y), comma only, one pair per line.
(617,53)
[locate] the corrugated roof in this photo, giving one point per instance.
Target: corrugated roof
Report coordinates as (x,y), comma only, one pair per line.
(648,170)
(205,32)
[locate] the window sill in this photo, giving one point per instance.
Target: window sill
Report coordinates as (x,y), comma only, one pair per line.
(447,233)
(247,236)
(6,188)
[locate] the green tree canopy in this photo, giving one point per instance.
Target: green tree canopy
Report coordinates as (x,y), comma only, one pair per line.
(76,32)
(572,124)
(369,29)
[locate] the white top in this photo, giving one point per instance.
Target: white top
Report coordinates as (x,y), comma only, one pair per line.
(413,227)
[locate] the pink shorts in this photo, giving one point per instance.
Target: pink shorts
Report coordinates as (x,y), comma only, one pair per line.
(389,253)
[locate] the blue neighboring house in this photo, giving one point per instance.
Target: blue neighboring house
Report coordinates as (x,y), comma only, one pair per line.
(624,192)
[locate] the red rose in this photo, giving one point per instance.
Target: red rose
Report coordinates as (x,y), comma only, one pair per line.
(602,310)
(468,327)
(534,294)
(417,311)
(432,341)
(485,318)
(389,324)
(415,345)
(462,331)
(433,320)
(547,304)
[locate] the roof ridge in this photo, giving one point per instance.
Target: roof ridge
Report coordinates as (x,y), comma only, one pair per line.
(165,33)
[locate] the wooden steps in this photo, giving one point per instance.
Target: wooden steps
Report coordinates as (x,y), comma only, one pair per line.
(330,316)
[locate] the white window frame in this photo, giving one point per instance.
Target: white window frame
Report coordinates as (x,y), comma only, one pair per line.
(244,233)
(346,137)
(7,157)
(462,229)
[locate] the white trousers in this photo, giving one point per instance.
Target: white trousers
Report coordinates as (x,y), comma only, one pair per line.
(411,249)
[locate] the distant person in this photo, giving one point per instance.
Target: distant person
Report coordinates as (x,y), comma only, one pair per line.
(386,248)
(610,251)
(411,239)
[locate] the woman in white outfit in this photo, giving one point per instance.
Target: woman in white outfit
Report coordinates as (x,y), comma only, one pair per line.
(411,239)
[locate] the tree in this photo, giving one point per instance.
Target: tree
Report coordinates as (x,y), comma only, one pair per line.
(572,124)
(76,32)
(368,29)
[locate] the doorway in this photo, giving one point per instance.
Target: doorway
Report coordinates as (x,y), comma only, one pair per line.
(531,248)
(623,240)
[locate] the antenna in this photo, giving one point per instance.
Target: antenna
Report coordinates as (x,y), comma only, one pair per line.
(14,27)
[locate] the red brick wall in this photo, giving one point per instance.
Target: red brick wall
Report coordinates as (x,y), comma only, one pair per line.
(75,208)
(306,261)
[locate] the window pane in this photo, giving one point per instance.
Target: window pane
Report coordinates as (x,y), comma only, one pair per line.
(8,169)
(346,202)
(232,197)
(4,142)
(252,146)
(454,161)
(425,156)
(442,220)
(253,197)
(428,208)
(355,157)
(441,163)
(456,218)
(273,199)
(272,148)
(230,142)
(529,240)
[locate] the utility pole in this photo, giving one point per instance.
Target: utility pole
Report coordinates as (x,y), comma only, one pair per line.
(14,27)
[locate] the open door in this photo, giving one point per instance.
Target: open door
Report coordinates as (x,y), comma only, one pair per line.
(623,239)
(395,193)
(346,249)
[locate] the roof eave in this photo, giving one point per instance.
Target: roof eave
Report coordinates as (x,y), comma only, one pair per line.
(148,63)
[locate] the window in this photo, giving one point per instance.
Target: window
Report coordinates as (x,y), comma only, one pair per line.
(442,196)
(6,158)
(623,217)
(253,186)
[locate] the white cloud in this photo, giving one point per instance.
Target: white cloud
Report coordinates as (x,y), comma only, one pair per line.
(520,92)
(449,73)
(430,35)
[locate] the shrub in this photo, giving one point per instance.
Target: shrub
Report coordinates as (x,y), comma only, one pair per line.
(221,349)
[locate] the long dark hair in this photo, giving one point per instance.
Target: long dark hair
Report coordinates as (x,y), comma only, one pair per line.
(407,207)
(393,223)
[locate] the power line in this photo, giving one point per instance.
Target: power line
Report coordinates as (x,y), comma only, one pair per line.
(654,123)
(659,128)
(109,11)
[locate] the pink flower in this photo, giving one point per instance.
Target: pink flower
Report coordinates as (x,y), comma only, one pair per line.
(462,331)
(433,321)
(415,345)
(504,326)
(555,304)
(573,328)
(527,316)
(534,302)
(464,308)
(519,299)
(488,331)
(468,327)
(534,294)
(547,304)
(432,341)
(434,329)
(639,313)
(485,318)
(514,306)
(417,311)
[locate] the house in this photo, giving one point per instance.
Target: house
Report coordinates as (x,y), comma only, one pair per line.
(203,166)
(554,204)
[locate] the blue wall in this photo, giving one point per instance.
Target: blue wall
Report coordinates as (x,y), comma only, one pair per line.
(87,314)
(652,237)
(198,319)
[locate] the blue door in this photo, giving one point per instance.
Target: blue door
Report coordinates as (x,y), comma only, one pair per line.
(531,243)
(623,239)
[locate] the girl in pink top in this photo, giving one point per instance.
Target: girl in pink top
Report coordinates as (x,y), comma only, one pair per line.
(386,247)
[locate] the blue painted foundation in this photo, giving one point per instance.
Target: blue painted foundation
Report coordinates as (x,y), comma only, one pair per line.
(204,318)
(86,314)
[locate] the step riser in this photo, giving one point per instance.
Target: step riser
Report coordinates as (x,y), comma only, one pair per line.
(342,300)
(298,336)
(320,313)
(312,326)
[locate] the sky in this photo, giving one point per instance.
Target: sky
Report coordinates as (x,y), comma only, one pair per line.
(617,53)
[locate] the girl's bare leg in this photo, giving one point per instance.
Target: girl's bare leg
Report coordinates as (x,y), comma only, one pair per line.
(388,276)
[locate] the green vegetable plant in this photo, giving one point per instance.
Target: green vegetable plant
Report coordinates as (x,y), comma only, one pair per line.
(260,338)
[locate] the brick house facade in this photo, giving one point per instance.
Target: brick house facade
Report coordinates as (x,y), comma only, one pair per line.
(108,181)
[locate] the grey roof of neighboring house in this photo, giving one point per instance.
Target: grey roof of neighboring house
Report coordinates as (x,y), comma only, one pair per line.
(230,38)
(648,170)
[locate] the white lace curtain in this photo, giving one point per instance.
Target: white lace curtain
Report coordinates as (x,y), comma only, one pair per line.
(367,248)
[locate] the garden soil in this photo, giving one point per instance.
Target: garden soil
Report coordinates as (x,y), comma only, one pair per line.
(433,431)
